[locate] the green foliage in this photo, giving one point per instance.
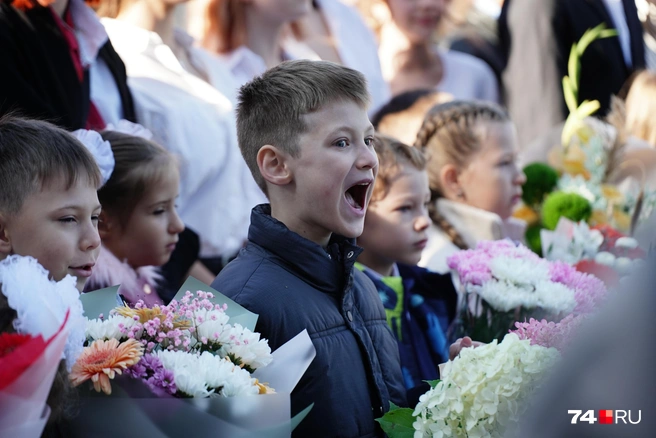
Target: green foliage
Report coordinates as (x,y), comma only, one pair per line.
(397,422)
(541,179)
(569,205)
(571,81)
(432,383)
(533,239)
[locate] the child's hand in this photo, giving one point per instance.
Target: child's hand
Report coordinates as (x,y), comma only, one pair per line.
(458,345)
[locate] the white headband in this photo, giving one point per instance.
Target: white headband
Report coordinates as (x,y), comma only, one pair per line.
(100,149)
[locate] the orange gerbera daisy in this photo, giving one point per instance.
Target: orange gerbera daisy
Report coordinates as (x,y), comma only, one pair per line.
(102,360)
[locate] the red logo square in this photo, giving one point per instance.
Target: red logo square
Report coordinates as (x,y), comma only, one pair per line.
(606,416)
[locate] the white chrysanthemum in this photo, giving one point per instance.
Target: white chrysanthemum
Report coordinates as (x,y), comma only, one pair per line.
(211,325)
(226,378)
(109,328)
(247,348)
(555,297)
(483,391)
(207,375)
(518,270)
(188,376)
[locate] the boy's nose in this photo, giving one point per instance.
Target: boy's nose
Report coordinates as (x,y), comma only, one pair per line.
(521,177)
(176,226)
(90,239)
(367,158)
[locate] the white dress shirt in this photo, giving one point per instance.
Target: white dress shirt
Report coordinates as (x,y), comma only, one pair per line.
(616,10)
(463,76)
(194,121)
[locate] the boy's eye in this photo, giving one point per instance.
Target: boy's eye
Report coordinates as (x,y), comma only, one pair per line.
(95,218)
(159,211)
(67,220)
(341,143)
(369,141)
(404,208)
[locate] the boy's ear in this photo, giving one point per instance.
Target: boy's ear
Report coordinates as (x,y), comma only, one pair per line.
(273,165)
(5,241)
(449,182)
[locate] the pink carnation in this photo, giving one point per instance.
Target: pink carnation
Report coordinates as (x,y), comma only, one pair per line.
(589,291)
(549,334)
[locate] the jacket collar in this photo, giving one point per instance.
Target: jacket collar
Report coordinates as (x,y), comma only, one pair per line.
(327,270)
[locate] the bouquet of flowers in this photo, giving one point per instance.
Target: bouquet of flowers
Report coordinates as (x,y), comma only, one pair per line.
(578,183)
(483,392)
(198,351)
(47,314)
(504,283)
(600,250)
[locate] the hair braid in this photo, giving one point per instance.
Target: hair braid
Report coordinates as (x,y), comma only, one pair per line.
(450,135)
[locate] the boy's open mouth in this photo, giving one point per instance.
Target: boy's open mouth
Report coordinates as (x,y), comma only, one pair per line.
(356,195)
(83,270)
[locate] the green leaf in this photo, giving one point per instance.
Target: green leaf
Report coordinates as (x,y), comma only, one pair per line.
(589,36)
(587,108)
(573,69)
(99,302)
(570,95)
(432,383)
(397,422)
(608,33)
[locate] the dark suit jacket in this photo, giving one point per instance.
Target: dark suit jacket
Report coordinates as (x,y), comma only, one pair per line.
(537,36)
(37,75)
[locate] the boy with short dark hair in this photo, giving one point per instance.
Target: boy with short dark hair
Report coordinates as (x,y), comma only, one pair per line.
(304,132)
(48,201)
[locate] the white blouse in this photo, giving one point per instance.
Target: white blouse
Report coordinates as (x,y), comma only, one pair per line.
(464,76)
(473,225)
(196,122)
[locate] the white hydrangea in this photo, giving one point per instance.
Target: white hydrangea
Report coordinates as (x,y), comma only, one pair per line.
(109,328)
(484,391)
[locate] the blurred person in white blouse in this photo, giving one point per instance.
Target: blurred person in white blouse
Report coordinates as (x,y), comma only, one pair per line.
(411,60)
(246,35)
(190,118)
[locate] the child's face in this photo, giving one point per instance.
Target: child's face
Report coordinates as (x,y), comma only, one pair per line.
(417,19)
(395,226)
(59,228)
(151,233)
(493,180)
(332,178)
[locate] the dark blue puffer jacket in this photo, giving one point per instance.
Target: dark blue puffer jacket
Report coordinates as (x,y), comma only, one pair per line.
(294,284)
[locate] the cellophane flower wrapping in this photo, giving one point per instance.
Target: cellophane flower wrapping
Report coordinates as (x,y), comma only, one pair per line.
(503,283)
(27,372)
(200,365)
(484,391)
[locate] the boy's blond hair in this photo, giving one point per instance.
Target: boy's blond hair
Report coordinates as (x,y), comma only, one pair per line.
(35,153)
(392,156)
(271,107)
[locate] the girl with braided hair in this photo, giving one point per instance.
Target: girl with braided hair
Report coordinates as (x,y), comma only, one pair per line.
(474,178)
